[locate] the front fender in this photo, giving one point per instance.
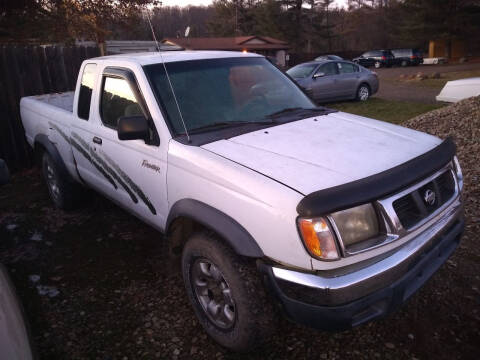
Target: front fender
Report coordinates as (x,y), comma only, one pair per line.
(230,230)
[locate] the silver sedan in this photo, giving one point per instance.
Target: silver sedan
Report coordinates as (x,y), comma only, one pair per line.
(329,80)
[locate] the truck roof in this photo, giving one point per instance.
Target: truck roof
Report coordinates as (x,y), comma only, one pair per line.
(148,58)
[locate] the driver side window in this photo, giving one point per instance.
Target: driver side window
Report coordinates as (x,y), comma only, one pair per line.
(328,69)
(117,100)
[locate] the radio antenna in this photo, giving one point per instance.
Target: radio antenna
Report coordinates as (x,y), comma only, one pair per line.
(168,76)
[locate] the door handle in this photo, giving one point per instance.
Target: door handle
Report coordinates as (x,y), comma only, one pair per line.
(97,140)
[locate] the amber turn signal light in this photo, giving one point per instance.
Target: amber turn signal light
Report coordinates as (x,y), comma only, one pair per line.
(318,238)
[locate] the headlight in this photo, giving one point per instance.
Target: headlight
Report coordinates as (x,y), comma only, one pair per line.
(458,171)
(356,224)
(318,238)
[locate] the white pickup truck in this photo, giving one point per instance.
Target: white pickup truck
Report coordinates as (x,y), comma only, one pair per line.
(272,202)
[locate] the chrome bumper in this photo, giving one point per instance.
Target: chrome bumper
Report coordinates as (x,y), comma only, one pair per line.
(332,291)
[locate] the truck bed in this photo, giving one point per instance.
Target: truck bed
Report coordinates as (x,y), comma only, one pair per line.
(38,111)
(50,115)
(62,100)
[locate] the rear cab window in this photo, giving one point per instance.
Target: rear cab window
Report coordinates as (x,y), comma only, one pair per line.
(86,88)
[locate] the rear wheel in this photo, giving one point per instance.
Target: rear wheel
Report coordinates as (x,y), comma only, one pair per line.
(378,64)
(404,63)
(363,92)
(64,193)
(226,293)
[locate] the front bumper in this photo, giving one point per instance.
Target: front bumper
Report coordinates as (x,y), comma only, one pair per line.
(345,301)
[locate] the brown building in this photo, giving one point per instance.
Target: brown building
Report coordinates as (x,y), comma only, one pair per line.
(264,45)
(452,49)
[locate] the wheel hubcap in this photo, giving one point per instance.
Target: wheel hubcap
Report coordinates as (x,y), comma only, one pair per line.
(52,182)
(363,93)
(213,293)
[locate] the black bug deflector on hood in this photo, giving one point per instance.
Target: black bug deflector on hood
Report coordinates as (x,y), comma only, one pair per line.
(379,185)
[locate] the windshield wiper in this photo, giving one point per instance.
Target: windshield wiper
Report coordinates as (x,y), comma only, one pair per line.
(284,111)
(298,111)
(222,124)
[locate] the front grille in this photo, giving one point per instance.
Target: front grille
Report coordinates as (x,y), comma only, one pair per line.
(422,202)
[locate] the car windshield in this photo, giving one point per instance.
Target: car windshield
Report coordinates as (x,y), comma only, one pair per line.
(223,91)
(301,71)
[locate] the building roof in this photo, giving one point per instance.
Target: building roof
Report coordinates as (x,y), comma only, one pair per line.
(238,43)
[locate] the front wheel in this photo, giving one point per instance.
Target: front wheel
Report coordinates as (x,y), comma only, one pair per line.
(378,64)
(363,92)
(226,293)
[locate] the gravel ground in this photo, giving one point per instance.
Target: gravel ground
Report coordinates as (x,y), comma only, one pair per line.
(95,283)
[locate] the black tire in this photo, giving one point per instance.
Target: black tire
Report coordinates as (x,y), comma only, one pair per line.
(253,319)
(404,63)
(65,194)
(363,92)
(377,64)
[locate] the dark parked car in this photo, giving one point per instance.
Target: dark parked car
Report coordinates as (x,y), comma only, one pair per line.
(328,57)
(329,80)
(406,57)
(377,58)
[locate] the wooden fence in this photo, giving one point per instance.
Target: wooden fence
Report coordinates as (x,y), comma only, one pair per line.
(32,70)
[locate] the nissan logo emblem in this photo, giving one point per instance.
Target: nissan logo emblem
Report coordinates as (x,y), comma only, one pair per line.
(429,197)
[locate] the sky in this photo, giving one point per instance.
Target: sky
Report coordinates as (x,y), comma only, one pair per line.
(206,2)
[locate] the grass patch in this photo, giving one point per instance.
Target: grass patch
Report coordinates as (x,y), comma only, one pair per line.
(386,110)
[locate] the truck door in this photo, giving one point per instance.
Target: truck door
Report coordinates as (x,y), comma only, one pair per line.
(132,173)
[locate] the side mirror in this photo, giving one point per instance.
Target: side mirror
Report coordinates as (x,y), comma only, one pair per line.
(133,128)
(4,173)
(319,74)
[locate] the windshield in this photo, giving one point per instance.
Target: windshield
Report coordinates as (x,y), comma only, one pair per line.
(222,91)
(301,71)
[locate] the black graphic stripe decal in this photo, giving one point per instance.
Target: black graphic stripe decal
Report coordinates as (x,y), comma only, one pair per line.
(60,131)
(82,151)
(123,179)
(85,154)
(114,175)
(97,158)
(130,182)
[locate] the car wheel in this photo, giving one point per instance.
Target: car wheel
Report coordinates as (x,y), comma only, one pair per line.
(363,92)
(404,63)
(64,193)
(226,293)
(378,64)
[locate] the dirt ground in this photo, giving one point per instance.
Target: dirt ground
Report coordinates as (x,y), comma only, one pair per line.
(394,90)
(95,285)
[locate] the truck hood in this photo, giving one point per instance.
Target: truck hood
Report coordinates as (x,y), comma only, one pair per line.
(324,151)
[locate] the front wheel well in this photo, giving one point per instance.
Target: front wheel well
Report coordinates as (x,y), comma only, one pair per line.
(366,84)
(190,215)
(179,231)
